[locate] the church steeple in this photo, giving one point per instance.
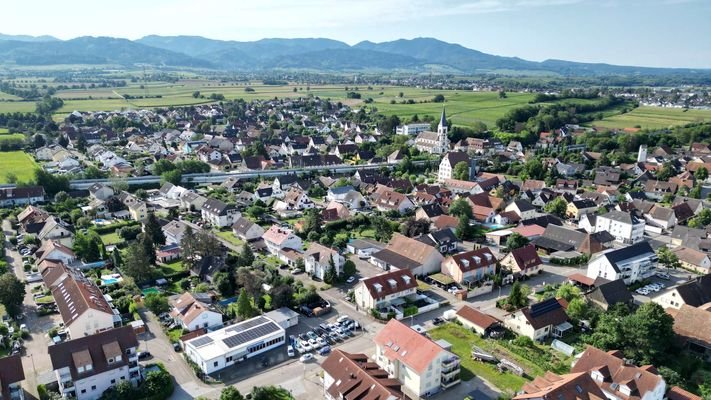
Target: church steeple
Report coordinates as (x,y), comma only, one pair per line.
(442,130)
(443,118)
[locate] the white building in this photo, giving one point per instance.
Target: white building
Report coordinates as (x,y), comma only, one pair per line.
(382,290)
(192,314)
(633,263)
(278,239)
(422,366)
(540,320)
(434,142)
(412,129)
(318,259)
(235,343)
(624,226)
(247,230)
(218,213)
(449,161)
(86,367)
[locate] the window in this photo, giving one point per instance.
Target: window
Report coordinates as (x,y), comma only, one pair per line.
(83,391)
(228,359)
(113,381)
(93,387)
(214,364)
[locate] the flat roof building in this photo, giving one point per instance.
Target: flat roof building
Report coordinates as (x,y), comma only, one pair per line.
(235,343)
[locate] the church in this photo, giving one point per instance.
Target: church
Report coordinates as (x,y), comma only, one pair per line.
(434,142)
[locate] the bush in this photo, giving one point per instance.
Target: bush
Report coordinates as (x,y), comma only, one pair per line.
(410,310)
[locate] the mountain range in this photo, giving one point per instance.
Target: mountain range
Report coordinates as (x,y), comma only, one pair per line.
(326,55)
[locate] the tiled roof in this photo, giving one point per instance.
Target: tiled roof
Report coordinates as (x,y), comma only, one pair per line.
(355,377)
(402,343)
(693,324)
(576,386)
(380,286)
(476,317)
(11,371)
(474,259)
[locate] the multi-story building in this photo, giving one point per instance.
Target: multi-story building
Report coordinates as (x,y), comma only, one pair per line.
(412,129)
(219,213)
(318,259)
(553,386)
(381,290)
(434,142)
(631,264)
(277,239)
(449,161)
(21,196)
(624,226)
(347,376)
(191,313)
(11,375)
(470,266)
(87,366)
(422,366)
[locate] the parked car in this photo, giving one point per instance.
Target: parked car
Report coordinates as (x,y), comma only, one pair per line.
(142,355)
(290,351)
(306,357)
(324,350)
(306,345)
(350,279)
(663,275)
(176,346)
(438,321)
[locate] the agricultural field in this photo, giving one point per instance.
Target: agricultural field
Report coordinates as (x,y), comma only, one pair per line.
(17,106)
(8,96)
(18,163)
(653,118)
(10,136)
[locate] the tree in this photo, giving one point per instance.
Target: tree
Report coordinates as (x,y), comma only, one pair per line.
(415,227)
(349,268)
(230,393)
(502,94)
(157,303)
(666,172)
(147,243)
(153,230)
(196,94)
(38,140)
(695,192)
(461,171)
(668,258)
(12,293)
(282,296)
(383,229)
(116,259)
(568,292)
(330,275)
(312,221)
(174,177)
(577,309)
(52,183)
(270,393)
(557,207)
(515,241)
(701,174)
(246,257)
(88,246)
(244,305)
(461,208)
(91,172)
(518,296)
(649,333)
(225,283)
(464,230)
(138,263)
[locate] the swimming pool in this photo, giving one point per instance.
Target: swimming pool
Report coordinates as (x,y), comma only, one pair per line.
(111,279)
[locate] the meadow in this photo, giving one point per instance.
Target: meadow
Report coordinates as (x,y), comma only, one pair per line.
(19,163)
(653,118)
(10,136)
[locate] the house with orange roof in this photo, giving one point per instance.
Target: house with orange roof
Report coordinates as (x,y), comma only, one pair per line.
(424,367)
(192,314)
(578,386)
(470,266)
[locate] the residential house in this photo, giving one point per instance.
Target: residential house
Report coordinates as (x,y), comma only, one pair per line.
(174,232)
(609,293)
(86,367)
(83,307)
(423,366)
(21,196)
(168,253)
(576,208)
(566,186)
(346,195)
(192,314)
(693,327)
(55,251)
(318,259)
(445,241)
(403,252)
(693,260)
(677,393)
(449,161)
(295,201)
(470,266)
(219,214)
(541,320)
(55,229)
(429,212)
(278,238)
(694,293)
(247,230)
(683,235)
(626,227)
(138,211)
(522,208)
(632,263)
(11,375)
(386,199)
(349,376)
(522,261)
(661,217)
(99,191)
(618,378)
(658,189)
(380,291)
(192,201)
(481,323)
(532,185)
(579,386)
(335,211)
(557,238)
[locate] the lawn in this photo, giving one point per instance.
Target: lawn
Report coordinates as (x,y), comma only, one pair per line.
(230,237)
(653,118)
(171,268)
(4,131)
(44,300)
(368,233)
(111,238)
(534,360)
(4,136)
(19,163)
(17,106)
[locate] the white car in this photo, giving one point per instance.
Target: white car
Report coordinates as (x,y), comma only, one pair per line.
(290,351)
(321,342)
(305,345)
(351,279)
(306,357)
(663,275)
(314,343)
(342,318)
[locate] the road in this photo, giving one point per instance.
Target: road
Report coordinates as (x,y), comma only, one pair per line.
(218,177)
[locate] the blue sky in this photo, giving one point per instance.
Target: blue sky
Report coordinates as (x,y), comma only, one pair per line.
(665,33)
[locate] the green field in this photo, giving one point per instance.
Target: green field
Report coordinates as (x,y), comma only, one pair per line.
(17,106)
(19,163)
(653,118)
(10,136)
(8,96)
(111,238)
(4,131)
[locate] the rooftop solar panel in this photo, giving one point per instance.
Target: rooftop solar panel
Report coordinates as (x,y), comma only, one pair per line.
(243,326)
(202,341)
(251,334)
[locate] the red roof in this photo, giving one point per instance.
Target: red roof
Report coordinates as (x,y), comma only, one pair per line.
(476,317)
(400,342)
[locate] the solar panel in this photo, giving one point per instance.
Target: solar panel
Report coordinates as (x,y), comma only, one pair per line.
(202,341)
(251,334)
(243,326)
(544,307)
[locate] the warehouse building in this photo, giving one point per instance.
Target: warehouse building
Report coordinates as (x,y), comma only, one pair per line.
(235,343)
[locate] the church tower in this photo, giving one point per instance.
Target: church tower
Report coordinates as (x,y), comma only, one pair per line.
(442,139)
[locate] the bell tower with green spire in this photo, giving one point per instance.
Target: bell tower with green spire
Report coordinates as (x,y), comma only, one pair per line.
(442,139)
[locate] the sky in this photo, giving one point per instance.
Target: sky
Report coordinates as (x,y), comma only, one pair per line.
(655,33)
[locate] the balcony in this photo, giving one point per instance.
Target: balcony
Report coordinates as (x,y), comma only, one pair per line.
(133,365)
(451,373)
(447,383)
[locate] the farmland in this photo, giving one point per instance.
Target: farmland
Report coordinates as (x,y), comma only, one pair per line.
(653,118)
(19,163)
(17,106)
(10,136)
